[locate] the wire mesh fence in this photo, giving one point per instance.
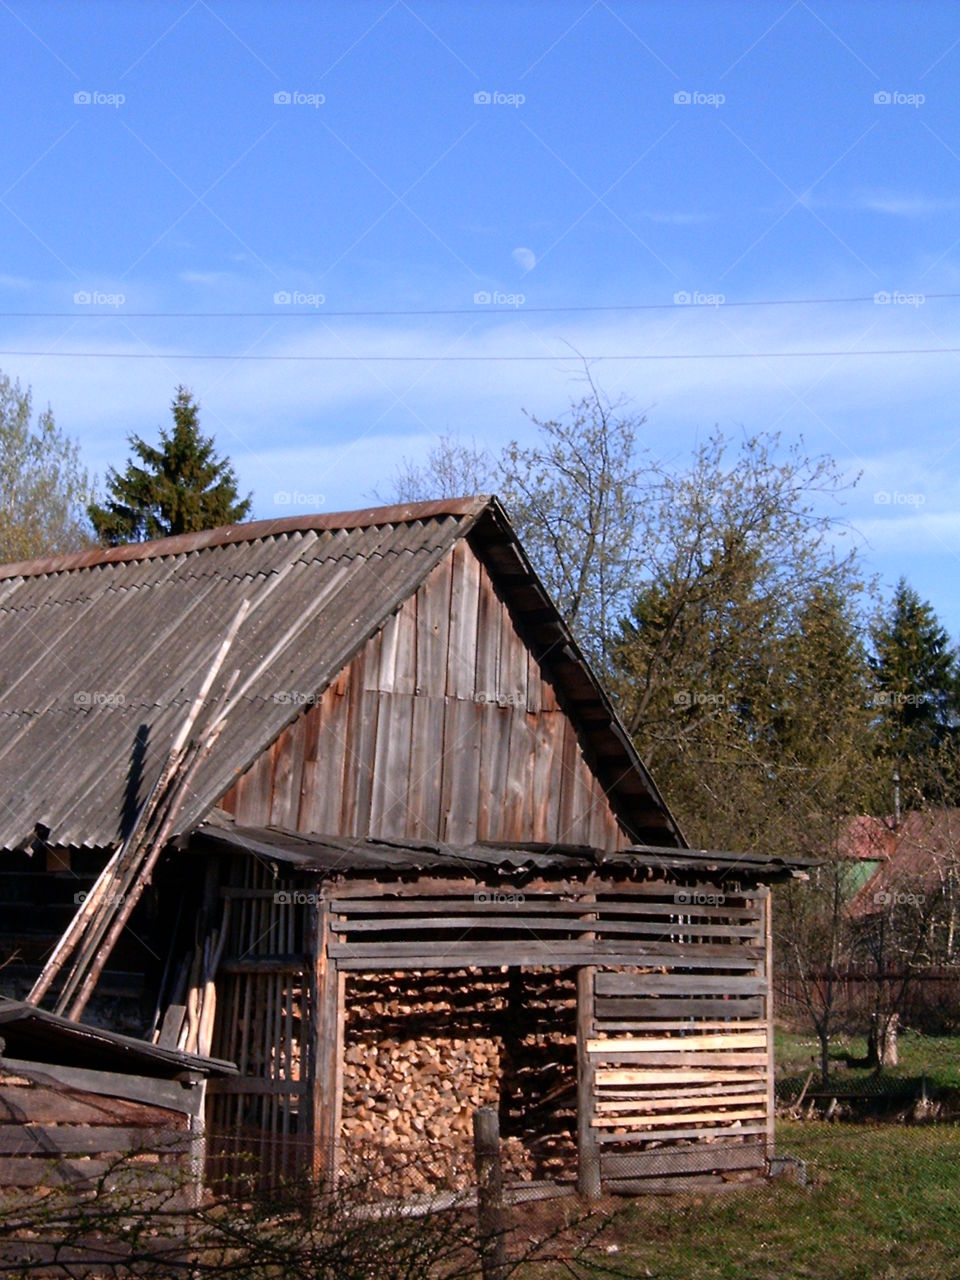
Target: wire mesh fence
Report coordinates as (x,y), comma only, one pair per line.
(864,1183)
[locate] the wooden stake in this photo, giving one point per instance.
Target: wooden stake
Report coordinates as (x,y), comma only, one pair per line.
(490,1223)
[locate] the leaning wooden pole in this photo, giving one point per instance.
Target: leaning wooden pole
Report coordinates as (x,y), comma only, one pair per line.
(92,921)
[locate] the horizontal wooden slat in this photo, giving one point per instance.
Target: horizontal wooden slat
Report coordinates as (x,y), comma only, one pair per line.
(68,1139)
(691,1007)
(508,920)
(674,1094)
(699,1159)
(688,1117)
(697,1058)
(677,1103)
(646,984)
(606,1026)
(635,1136)
(687,1043)
(694,1075)
(473,952)
(533,903)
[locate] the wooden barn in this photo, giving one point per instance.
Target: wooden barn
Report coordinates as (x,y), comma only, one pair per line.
(337,799)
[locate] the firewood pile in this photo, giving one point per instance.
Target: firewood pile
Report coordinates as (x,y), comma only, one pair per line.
(422,1053)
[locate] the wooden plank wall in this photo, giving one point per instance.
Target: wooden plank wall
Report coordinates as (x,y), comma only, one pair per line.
(441,728)
(262,988)
(682,1056)
(52,1136)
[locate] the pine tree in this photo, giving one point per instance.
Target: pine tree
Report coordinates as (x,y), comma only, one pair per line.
(180,487)
(917,675)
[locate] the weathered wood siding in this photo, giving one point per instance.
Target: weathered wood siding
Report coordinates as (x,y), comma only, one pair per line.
(52,1135)
(441,728)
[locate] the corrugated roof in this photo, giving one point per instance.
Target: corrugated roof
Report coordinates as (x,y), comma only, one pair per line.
(333,856)
(103,651)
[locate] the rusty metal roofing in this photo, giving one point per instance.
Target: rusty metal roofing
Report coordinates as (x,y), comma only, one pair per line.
(330,857)
(101,653)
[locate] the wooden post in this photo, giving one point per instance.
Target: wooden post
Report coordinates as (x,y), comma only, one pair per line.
(486,1149)
(768,975)
(588,1149)
(326,1058)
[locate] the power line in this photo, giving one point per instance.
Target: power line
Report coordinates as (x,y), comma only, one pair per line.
(496,359)
(480,310)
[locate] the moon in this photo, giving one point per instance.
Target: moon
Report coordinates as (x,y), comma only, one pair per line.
(526,259)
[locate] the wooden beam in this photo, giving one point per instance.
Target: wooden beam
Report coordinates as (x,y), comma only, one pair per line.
(588,1152)
(767,898)
(326,1057)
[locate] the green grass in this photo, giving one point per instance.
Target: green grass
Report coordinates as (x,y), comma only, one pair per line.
(937,1057)
(883,1202)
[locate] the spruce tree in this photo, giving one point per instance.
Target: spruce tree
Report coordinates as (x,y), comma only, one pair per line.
(180,487)
(917,676)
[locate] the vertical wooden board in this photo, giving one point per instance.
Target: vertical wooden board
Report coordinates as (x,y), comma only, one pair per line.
(460,786)
(548,695)
(603,823)
(547,776)
(464,612)
(389,643)
(322,787)
(368,662)
(426,766)
(495,729)
(253,796)
(488,641)
(575,790)
(509,818)
(405,665)
(433,630)
(288,773)
(512,676)
(359,738)
(391,766)
(767,902)
(534,682)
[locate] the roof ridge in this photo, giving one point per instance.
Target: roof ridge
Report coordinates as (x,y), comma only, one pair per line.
(252,531)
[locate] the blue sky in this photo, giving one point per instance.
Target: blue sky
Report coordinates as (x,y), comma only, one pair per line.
(587,180)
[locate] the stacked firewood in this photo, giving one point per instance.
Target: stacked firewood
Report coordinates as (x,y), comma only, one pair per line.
(408,1107)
